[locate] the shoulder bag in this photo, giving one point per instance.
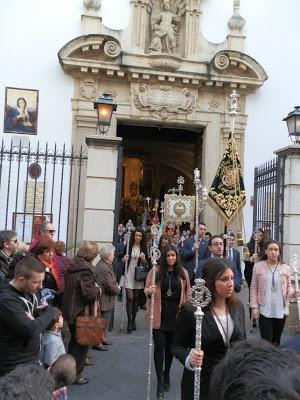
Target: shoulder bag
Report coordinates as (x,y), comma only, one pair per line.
(141,272)
(90,329)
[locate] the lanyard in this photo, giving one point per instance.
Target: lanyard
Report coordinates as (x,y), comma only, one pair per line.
(226,333)
(169,291)
(273,274)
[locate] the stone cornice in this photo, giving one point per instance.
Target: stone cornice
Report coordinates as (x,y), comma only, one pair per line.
(100,56)
(103,141)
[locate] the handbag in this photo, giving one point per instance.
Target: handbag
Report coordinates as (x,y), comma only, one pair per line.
(89,330)
(140,273)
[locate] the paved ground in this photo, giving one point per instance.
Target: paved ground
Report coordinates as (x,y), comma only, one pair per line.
(121,372)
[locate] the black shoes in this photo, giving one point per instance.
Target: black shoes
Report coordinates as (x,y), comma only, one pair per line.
(129,326)
(133,326)
(167,384)
(160,391)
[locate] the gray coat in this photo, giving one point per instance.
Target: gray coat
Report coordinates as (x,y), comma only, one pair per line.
(106,279)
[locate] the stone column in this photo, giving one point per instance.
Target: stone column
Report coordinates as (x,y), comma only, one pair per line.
(289,209)
(100,192)
(139,24)
(191,40)
(289,215)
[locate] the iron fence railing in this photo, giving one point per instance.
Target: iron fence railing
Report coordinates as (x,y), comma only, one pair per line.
(39,184)
(267,189)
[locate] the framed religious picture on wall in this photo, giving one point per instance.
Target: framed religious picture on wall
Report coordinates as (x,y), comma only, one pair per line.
(21,110)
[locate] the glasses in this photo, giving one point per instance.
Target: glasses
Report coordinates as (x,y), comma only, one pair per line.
(51,230)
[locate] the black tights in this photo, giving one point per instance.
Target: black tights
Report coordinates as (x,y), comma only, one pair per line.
(162,352)
(271,329)
(132,302)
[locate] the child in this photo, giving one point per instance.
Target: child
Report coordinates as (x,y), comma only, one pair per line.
(63,371)
(52,343)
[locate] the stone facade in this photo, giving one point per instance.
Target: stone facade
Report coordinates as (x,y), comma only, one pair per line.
(162,71)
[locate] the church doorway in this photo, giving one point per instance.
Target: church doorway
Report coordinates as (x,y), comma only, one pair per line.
(153,159)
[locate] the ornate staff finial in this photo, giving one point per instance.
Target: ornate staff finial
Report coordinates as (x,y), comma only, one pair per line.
(199,297)
(180,182)
(233,109)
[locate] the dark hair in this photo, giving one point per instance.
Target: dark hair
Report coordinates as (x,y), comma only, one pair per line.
(42,245)
(63,370)
(202,223)
(256,370)
(251,245)
(264,256)
(163,237)
(162,274)
(27,265)
(27,382)
(212,271)
(16,258)
(208,234)
(214,237)
(6,236)
(55,319)
(143,243)
(21,98)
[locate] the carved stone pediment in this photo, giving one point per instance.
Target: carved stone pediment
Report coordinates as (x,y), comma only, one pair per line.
(164,101)
(90,47)
(236,64)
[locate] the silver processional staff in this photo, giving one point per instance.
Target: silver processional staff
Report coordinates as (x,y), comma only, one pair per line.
(199,297)
(201,198)
(154,255)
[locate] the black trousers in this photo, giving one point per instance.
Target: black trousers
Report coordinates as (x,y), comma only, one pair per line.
(162,352)
(77,351)
(271,329)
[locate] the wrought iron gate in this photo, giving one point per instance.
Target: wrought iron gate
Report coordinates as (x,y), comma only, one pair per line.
(268,180)
(41,184)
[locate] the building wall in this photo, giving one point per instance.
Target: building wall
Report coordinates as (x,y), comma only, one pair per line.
(34,31)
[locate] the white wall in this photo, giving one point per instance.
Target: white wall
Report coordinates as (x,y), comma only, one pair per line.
(35,30)
(272,38)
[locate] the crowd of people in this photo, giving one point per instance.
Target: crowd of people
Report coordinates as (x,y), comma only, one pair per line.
(42,290)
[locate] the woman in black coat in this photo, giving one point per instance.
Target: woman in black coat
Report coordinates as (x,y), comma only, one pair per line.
(81,289)
(223,323)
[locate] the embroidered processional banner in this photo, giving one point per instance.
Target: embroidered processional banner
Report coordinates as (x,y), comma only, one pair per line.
(227,192)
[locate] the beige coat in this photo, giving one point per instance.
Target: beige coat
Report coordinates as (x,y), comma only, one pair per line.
(106,279)
(185,286)
(258,283)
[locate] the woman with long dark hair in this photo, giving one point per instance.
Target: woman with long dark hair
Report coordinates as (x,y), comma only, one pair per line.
(270,292)
(170,292)
(134,289)
(223,323)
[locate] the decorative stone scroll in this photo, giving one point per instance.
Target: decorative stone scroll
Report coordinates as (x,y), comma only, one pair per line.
(164,101)
(221,61)
(112,49)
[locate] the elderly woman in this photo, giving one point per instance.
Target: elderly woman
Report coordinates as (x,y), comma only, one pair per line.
(43,250)
(106,279)
(81,289)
